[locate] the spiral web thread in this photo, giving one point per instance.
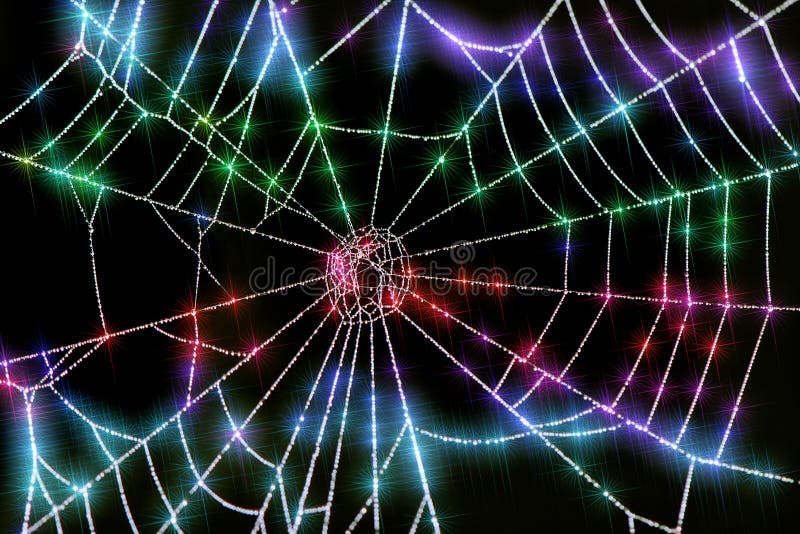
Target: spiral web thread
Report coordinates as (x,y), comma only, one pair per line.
(368,276)
(111,48)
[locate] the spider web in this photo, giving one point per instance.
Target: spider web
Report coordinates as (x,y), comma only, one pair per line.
(359,403)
